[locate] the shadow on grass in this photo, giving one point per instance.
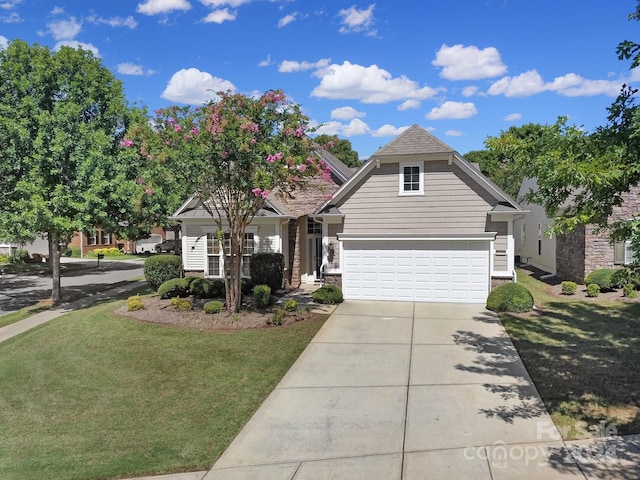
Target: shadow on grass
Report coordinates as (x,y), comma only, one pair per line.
(583,358)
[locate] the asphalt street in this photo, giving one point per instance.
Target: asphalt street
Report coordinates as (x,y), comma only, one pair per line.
(80,277)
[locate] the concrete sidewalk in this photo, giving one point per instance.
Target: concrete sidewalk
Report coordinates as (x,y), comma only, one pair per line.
(413,391)
(33,321)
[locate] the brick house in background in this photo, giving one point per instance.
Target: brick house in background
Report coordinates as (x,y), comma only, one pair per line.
(574,255)
(98,238)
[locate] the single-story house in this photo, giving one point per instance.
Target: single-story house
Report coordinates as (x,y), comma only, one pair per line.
(574,255)
(416,222)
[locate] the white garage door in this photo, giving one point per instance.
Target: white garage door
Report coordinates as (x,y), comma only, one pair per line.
(428,271)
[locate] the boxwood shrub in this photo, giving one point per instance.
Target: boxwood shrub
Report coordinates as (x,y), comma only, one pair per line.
(262,295)
(510,297)
(569,288)
(328,294)
(593,290)
(160,268)
(605,278)
(203,288)
(214,306)
(176,287)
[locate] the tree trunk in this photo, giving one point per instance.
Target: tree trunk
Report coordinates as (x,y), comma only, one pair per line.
(54,258)
(233,271)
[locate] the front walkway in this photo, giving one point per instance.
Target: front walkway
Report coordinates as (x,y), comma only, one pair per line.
(411,391)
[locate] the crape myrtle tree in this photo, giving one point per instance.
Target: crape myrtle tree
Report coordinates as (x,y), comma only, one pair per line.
(231,153)
(62,114)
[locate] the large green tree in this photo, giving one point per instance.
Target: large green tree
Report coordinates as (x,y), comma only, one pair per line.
(339,147)
(500,163)
(232,153)
(62,115)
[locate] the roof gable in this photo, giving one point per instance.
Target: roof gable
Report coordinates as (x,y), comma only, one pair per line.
(413,141)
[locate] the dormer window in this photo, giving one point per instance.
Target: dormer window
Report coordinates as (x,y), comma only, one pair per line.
(412,179)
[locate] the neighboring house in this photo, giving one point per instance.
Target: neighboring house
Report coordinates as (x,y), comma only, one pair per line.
(416,222)
(91,240)
(39,246)
(574,255)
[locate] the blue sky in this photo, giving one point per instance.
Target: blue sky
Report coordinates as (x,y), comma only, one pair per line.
(463,69)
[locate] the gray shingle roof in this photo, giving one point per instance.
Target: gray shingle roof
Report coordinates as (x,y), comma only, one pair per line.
(414,141)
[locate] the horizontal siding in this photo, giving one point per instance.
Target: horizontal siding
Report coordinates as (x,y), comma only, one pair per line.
(452,203)
(334,262)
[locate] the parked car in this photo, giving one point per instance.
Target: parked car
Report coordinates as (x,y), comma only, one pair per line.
(148,245)
(166,246)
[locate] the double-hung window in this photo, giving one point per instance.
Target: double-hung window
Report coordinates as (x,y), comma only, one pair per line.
(411,178)
(92,237)
(215,262)
(105,238)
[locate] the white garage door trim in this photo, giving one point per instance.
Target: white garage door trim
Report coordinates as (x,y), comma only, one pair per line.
(416,270)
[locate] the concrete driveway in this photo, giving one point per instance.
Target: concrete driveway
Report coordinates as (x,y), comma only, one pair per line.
(390,390)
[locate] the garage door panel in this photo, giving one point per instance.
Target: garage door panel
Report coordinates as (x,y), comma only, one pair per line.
(438,271)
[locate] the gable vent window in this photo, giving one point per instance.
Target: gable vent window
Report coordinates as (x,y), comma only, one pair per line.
(411,179)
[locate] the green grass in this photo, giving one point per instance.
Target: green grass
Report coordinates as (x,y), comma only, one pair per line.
(21,314)
(583,357)
(92,395)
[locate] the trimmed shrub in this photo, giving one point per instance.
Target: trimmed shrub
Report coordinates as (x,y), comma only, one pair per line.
(603,277)
(291,305)
(221,290)
(214,306)
(160,268)
(182,304)
(593,290)
(202,288)
(20,256)
(267,269)
(246,286)
(134,303)
(107,252)
(4,258)
(277,316)
(328,294)
(176,287)
(510,297)
(629,291)
(569,288)
(262,295)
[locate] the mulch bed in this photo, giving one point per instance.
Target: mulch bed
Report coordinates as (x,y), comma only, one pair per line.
(157,310)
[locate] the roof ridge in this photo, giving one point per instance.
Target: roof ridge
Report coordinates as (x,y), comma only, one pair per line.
(414,140)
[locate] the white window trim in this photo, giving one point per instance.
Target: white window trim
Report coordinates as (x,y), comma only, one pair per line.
(256,242)
(401,190)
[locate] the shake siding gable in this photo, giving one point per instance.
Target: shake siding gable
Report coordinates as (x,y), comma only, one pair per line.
(452,203)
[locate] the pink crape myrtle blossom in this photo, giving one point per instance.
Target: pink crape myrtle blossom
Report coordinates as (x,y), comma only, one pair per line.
(256,191)
(126,143)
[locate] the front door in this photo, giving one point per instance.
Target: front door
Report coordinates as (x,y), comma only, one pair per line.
(315,256)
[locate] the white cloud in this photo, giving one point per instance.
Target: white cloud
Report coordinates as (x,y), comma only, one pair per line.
(133,69)
(287,19)
(469,63)
(191,86)
(156,7)
(13,17)
(65,29)
(9,4)
(220,16)
(4,42)
(75,44)
(57,11)
(346,113)
(356,21)
(454,133)
(353,128)
(368,85)
(453,110)
(569,85)
(290,66)
(222,3)
(127,22)
(389,131)
(409,104)
(266,62)
(513,116)
(469,91)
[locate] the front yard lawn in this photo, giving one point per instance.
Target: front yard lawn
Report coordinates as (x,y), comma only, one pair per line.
(584,358)
(93,395)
